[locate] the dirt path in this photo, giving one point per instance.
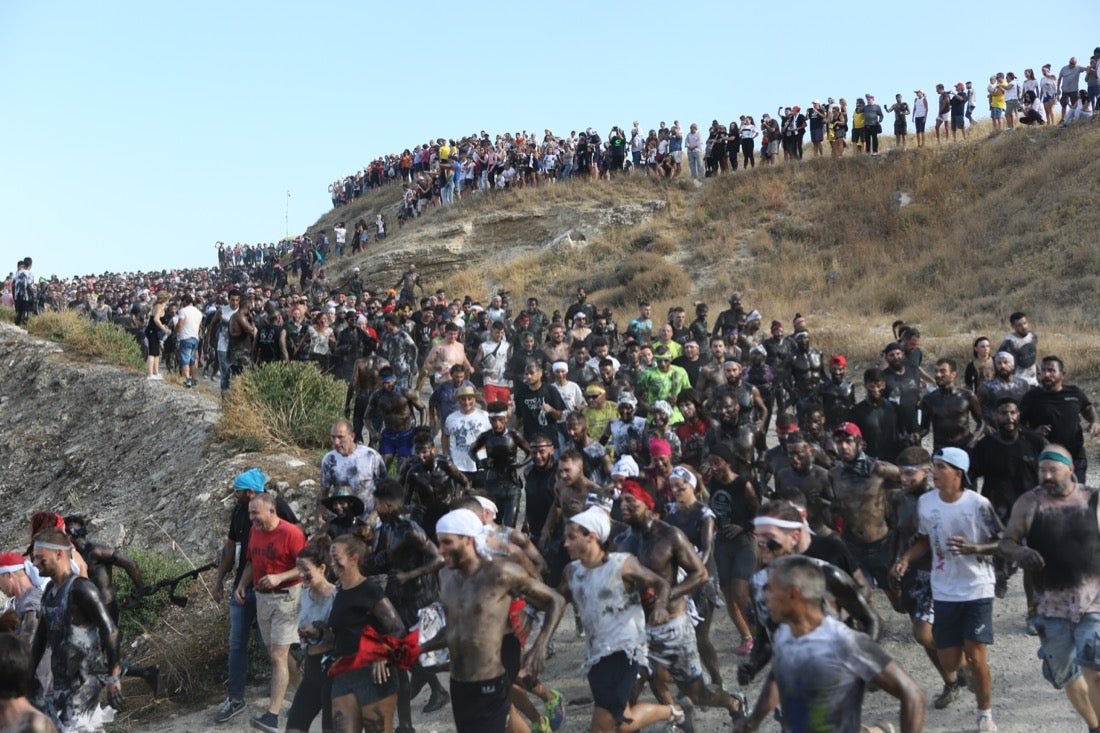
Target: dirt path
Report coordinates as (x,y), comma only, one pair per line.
(1022,700)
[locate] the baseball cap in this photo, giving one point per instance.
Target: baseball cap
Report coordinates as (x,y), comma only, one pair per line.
(956,458)
(848,428)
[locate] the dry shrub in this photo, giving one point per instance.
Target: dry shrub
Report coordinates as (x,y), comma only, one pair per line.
(107,341)
(651,276)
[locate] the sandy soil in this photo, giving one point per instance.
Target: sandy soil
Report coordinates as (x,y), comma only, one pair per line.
(1022,700)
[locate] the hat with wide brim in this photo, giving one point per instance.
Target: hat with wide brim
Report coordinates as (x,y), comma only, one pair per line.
(355,504)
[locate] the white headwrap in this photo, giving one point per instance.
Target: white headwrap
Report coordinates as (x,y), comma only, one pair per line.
(625,466)
(1006,355)
(487,503)
(595,520)
(465,523)
(662,406)
(559,365)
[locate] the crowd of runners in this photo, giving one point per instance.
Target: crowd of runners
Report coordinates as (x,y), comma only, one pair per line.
(499,466)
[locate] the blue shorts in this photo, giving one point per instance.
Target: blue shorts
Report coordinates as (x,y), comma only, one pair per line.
(397,444)
(1065,647)
(959,621)
(189,349)
(996,113)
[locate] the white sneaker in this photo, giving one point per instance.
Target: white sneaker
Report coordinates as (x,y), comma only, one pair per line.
(986,725)
(158,377)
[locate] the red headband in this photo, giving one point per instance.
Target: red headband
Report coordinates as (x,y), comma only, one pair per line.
(660,447)
(635,489)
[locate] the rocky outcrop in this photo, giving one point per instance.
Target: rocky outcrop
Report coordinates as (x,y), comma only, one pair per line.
(137,458)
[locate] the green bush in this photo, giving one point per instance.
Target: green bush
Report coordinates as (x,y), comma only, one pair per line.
(154,567)
(7,314)
(282,404)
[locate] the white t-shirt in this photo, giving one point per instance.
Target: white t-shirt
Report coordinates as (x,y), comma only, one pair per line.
(463,431)
(494,359)
(959,577)
(341,235)
(192,322)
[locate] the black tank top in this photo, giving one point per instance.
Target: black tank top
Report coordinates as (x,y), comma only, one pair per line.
(1069,541)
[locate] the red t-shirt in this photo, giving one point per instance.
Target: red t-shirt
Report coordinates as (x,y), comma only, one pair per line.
(275,551)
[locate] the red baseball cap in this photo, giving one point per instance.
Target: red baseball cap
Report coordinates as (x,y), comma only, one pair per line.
(848,428)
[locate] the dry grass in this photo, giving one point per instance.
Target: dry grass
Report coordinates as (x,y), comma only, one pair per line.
(106,341)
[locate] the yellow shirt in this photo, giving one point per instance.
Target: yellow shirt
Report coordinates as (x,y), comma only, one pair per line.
(857,120)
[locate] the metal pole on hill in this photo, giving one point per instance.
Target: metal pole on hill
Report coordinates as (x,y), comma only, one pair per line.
(286,217)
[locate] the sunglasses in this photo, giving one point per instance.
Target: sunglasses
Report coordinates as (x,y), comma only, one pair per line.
(771,545)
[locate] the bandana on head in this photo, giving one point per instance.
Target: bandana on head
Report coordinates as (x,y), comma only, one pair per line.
(625,466)
(635,489)
(595,520)
(10,562)
(465,523)
(684,475)
(658,447)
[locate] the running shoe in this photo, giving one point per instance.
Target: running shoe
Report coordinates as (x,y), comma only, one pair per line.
(229,709)
(543,726)
(986,724)
(745,648)
(555,710)
(949,694)
(268,722)
(685,721)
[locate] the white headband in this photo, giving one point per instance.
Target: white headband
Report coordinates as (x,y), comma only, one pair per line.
(4,570)
(773,522)
(487,503)
(50,546)
(465,523)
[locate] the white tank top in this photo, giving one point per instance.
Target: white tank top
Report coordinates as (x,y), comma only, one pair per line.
(612,616)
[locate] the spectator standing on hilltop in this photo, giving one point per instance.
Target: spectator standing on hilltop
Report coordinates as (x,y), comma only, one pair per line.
(958,111)
(872,124)
(920,116)
(1069,80)
(341,233)
(901,112)
(22,285)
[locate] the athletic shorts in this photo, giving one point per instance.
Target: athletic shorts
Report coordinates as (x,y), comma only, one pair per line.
(511,656)
(493,393)
(958,122)
(397,444)
(1065,647)
(481,707)
(900,128)
(1068,98)
(611,681)
(736,558)
(916,595)
(873,558)
(945,117)
(189,349)
(918,123)
(360,682)
(277,615)
(959,621)
(673,646)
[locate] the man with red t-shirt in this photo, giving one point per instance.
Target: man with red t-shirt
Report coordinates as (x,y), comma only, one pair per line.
(273,546)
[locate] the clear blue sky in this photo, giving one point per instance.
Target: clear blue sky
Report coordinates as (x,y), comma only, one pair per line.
(136,135)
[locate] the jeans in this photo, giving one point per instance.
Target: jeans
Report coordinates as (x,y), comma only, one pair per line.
(242,619)
(695,163)
(223,368)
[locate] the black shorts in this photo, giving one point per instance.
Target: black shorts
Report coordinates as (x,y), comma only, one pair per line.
(918,122)
(360,682)
(900,128)
(511,656)
(481,707)
(873,558)
(154,343)
(611,681)
(736,558)
(959,621)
